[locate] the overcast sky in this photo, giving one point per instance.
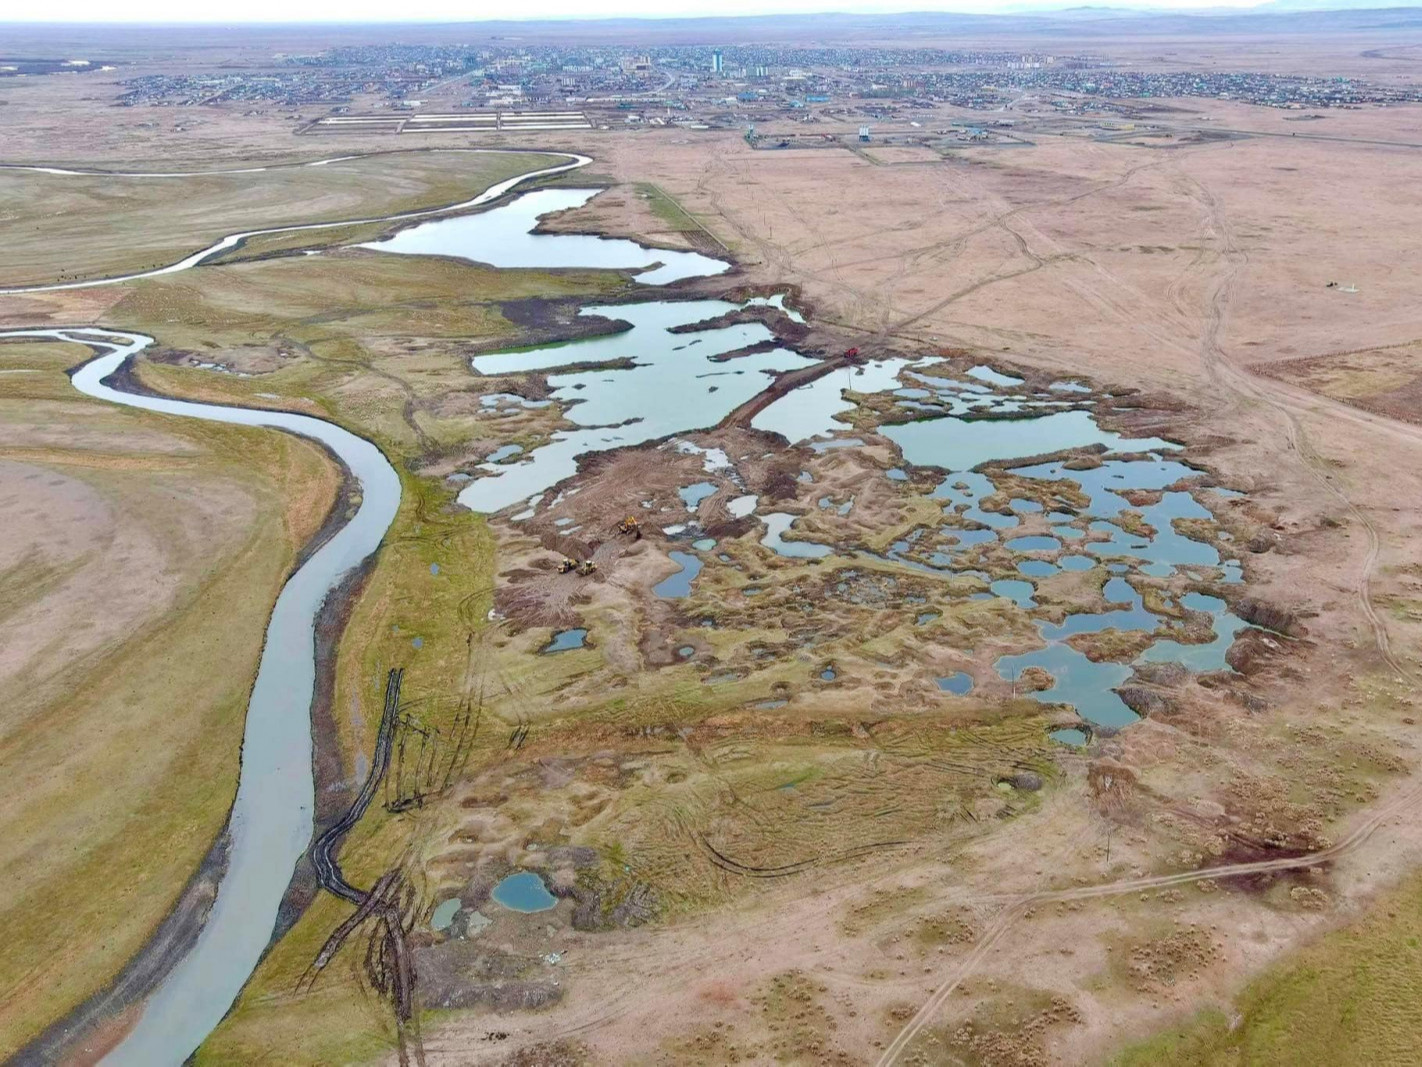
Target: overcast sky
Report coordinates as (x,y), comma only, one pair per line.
(464,11)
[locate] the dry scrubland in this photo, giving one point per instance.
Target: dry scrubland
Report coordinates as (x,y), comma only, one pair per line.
(1183,270)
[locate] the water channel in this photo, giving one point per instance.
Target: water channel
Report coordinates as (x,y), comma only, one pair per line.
(232,240)
(270,825)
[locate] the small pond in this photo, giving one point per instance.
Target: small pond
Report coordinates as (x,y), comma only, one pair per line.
(565,640)
(960,683)
(524,892)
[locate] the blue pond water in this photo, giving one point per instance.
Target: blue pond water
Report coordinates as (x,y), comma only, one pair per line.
(679,584)
(961,444)
(524,892)
(1037,568)
(958,683)
(564,640)
(693,495)
(1019,592)
(1033,544)
(777,523)
(985,373)
(669,388)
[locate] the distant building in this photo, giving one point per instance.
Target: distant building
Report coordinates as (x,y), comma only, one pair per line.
(864,133)
(718,62)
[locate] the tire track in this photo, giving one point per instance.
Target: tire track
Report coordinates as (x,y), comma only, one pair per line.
(1014,908)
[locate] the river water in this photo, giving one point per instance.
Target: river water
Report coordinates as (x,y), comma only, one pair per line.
(234,239)
(271,821)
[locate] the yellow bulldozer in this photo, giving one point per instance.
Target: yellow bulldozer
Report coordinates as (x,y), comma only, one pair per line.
(630,525)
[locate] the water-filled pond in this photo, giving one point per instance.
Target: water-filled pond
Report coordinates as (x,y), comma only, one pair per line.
(444,914)
(502,237)
(524,892)
(777,523)
(960,683)
(668,388)
(566,640)
(679,584)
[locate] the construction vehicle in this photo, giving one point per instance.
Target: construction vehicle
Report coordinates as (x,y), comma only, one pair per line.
(586,567)
(568,566)
(580,567)
(630,525)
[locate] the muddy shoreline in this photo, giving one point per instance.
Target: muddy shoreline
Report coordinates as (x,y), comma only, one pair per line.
(79,1035)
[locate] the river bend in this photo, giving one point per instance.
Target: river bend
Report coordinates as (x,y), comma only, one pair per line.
(271,822)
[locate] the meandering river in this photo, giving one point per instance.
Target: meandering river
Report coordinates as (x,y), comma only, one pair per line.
(232,240)
(271,821)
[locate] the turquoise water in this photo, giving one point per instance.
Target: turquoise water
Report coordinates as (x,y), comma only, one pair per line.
(524,892)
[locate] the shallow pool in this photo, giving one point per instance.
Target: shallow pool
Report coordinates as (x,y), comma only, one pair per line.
(524,892)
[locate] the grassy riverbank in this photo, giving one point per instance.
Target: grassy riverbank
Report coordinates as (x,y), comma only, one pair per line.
(142,558)
(376,344)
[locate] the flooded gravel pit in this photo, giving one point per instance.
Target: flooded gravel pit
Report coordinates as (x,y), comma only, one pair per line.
(524,892)
(679,584)
(652,387)
(1101,540)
